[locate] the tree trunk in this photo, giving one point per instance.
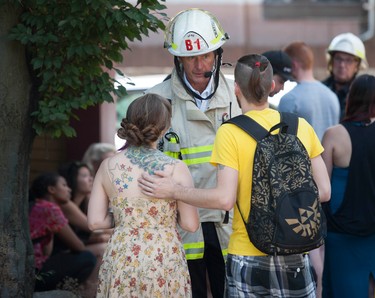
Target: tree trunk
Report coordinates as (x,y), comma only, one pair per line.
(16,137)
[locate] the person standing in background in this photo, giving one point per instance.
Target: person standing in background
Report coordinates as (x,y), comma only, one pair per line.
(349,266)
(282,69)
(310,99)
(346,55)
(202,99)
(96,153)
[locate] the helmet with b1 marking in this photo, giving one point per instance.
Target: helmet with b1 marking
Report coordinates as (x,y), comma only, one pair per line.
(194,32)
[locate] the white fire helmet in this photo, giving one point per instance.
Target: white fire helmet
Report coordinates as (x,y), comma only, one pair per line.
(350,44)
(194,32)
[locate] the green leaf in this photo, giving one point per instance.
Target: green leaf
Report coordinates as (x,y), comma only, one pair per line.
(70,42)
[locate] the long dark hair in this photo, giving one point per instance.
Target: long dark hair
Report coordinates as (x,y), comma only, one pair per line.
(146,118)
(70,172)
(360,105)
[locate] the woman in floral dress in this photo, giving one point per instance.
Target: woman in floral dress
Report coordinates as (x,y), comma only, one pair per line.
(145,256)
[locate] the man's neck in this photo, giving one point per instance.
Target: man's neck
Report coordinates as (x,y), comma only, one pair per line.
(305,76)
(254,107)
(341,85)
(199,88)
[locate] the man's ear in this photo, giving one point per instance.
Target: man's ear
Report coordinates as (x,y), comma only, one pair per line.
(295,64)
(272,86)
(237,89)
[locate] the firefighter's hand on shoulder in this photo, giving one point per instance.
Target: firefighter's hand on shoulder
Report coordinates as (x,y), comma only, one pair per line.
(161,185)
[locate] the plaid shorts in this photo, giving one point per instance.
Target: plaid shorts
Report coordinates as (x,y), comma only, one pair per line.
(269,276)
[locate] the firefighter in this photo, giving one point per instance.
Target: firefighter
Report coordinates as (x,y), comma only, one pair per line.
(202,98)
(346,55)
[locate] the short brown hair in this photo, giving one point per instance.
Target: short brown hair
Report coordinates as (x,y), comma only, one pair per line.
(146,118)
(302,53)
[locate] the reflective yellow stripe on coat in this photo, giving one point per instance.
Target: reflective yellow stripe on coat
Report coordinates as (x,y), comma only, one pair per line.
(196,155)
(195,251)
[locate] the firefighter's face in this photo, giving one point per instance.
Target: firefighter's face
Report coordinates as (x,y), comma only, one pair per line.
(344,67)
(195,67)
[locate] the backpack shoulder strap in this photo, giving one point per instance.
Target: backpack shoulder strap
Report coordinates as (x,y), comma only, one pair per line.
(255,130)
(291,121)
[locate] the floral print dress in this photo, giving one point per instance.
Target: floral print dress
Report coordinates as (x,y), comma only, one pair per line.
(145,256)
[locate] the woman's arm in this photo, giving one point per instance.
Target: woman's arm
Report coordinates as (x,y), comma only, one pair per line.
(321,178)
(75,216)
(327,154)
(187,217)
(97,214)
(70,239)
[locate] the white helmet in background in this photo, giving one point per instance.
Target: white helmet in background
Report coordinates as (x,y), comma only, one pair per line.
(194,32)
(350,44)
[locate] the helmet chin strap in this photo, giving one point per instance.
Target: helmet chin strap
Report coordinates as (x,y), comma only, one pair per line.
(215,71)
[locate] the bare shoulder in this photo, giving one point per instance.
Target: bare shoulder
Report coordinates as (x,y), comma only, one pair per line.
(335,129)
(335,134)
(180,164)
(337,145)
(176,167)
(111,160)
(181,173)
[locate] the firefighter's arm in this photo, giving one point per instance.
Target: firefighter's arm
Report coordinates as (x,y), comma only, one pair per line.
(222,197)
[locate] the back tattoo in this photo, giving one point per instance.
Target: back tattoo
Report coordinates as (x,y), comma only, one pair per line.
(148,159)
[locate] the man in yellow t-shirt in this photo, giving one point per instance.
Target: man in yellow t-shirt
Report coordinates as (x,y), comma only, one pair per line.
(250,273)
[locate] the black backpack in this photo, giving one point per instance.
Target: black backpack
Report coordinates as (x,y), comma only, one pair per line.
(286,216)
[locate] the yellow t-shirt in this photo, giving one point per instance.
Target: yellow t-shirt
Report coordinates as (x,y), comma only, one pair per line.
(234,148)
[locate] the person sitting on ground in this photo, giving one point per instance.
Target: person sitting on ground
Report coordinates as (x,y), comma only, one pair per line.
(79,179)
(47,222)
